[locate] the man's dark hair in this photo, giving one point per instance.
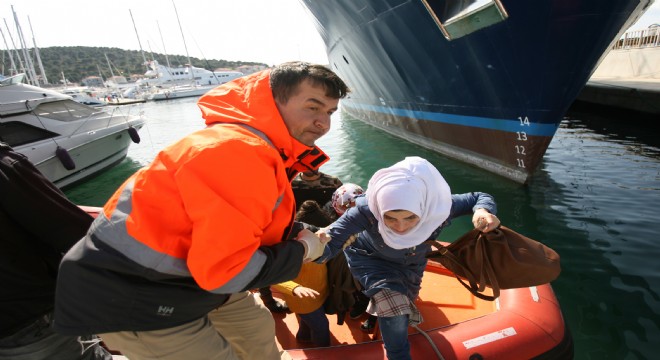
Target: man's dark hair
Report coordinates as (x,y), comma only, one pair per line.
(285,78)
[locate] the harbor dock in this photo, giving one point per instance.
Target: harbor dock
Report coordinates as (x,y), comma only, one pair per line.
(628,77)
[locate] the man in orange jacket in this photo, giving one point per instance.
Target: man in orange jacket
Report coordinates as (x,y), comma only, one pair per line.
(165,270)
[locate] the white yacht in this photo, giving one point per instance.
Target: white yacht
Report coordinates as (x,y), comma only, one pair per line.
(161,75)
(84,95)
(66,140)
(178,91)
(163,83)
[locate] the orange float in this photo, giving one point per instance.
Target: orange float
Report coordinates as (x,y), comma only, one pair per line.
(524,323)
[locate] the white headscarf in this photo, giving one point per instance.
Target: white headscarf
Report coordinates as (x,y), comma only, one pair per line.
(412,184)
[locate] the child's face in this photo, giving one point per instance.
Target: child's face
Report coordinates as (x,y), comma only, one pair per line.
(400,221)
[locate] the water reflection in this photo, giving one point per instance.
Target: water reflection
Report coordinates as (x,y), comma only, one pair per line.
(636,131)
(603,192)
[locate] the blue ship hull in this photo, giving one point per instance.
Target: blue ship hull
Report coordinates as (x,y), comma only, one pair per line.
(492,97)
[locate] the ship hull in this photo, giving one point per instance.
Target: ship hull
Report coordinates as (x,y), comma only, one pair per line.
(494,97)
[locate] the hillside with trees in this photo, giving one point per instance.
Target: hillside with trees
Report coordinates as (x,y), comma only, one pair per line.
(79,62)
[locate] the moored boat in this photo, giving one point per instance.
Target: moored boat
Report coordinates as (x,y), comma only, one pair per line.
(83,95)
(66,140)
(176,92)
(164,83)
(161,75)
(486,82)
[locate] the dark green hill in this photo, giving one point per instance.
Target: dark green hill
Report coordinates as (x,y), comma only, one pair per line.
(78,62)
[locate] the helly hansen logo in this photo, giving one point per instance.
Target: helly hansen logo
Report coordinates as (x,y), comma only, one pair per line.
(165,310)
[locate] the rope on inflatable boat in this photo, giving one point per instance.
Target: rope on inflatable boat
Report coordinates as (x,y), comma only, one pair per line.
(435,348)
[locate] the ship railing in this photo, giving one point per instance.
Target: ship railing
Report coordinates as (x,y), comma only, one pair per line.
(637,39)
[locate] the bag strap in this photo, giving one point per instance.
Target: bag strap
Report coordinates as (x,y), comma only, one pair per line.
(472,285)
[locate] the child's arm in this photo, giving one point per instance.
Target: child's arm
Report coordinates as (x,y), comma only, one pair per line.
(480,205)
(286,287)
(341,231)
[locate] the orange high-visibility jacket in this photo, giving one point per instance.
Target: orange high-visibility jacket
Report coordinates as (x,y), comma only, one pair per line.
(200,210)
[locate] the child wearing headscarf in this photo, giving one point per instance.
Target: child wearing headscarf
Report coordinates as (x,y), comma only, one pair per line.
(404,205)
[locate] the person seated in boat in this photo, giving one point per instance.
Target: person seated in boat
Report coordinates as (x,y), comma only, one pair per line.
(307,293)
(404,205)
(167,267)
(314,185)
(308,185)
(39,224)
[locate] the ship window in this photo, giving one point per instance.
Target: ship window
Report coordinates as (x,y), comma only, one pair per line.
(67,110)
(16,133)
(457,18)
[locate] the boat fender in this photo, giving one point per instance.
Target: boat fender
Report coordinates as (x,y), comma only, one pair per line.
(65,158)
(133,133)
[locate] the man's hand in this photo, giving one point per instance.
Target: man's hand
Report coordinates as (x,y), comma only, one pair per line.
(313,245)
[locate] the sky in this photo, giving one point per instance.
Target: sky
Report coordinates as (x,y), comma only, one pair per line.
(265,31)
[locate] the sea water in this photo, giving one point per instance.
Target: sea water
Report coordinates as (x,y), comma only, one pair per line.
(595,199)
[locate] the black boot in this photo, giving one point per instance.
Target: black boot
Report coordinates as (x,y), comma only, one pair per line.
(369,325)
(270,302)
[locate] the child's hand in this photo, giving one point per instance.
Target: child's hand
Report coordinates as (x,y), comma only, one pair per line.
(322,233)
(485,221)
(301,292)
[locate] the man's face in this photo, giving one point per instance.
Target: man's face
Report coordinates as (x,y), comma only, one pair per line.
(307,113)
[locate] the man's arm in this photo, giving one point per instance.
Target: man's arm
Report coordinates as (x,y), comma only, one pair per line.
(233,247)
(269,265)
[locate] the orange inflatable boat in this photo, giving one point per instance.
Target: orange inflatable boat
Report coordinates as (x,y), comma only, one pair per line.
(524,323)
(521,324)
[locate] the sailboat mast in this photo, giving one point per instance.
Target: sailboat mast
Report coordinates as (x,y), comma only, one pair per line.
(192,76)
(144,58)
(21,66)
(167,59)
(112,74)
(66,84)
(36,53)
(32,75)
(14,70)
(98,68)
